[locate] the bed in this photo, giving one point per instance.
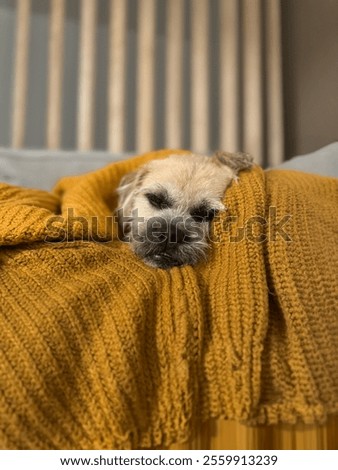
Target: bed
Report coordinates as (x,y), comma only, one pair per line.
(152,82)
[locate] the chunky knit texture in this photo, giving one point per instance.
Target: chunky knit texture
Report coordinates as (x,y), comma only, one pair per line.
(100,351)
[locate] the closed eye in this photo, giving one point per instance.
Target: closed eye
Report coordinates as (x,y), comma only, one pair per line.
(160,201)
(203,214)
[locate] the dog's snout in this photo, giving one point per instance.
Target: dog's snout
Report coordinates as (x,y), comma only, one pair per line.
(163,232)
(161,237)
(157,230)
(176,234)
(167,242)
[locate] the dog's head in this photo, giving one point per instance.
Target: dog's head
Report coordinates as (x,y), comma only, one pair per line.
(165,207)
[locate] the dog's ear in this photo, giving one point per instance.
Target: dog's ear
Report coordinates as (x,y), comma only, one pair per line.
(128,186)
(236,161)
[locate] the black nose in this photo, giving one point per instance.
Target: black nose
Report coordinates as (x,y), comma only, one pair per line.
(164,233)
(176,235)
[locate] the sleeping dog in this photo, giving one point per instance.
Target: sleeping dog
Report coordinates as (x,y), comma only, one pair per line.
(166,206)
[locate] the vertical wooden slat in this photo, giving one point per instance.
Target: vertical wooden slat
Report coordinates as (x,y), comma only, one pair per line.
(274,83)
(311,437)
(145,76)
(331,437)
(284,437)
(174,73)
(86,75)
(117,75)
(229,75)
(225,434)
(20,72)
(252,80)
(199,75)
(55,73)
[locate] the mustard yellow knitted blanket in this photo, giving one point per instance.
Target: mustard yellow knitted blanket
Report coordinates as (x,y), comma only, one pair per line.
(99,351)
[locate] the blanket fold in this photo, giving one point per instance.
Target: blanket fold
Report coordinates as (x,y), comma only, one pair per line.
(100,351)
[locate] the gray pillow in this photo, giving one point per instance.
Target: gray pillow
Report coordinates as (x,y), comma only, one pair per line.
(43,168)
(321,162)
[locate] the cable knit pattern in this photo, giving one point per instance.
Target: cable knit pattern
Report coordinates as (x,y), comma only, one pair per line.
(100,351)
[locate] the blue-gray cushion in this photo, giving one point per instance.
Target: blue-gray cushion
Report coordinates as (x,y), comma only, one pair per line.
(42,168)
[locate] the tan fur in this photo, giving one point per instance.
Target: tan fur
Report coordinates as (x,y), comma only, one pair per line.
(188,181)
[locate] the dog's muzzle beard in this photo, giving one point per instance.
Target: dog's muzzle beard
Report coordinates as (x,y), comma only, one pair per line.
(165,243)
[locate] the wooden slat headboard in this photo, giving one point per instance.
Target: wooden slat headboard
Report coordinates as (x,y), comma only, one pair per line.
(233,102)
(55,73)
(20,72)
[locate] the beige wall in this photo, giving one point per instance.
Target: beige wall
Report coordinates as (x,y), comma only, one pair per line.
(310,42)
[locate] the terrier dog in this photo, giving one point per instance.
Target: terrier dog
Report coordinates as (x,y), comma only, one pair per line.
(166,206)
